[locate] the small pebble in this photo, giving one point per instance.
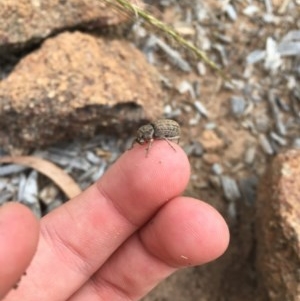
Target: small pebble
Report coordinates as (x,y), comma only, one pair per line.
(186,86)
(296,143)
(280,140)
(194,149)
(248,188)
(231,12)
(250,155)
(230,188)
(238,105)
(201,108)
(210,141)
(265,144)
(217,169)
(10,169)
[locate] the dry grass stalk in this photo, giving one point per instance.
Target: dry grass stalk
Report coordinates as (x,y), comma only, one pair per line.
(127,7)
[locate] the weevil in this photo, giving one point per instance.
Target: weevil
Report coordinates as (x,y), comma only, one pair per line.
(162,129)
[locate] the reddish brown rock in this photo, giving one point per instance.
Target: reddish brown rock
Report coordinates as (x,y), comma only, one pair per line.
(210,141)
(278,228)
(76,85)
(28,20)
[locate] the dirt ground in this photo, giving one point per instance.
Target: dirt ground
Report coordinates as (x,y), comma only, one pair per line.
(235,275)
(222,139)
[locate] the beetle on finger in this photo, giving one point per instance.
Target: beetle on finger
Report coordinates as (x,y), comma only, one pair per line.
(162,129)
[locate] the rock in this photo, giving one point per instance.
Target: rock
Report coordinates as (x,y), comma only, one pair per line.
(210,141)
(76,85)
(28,21)
(278,228)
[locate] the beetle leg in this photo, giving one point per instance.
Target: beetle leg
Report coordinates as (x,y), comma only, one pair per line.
(149,146)
(168,141)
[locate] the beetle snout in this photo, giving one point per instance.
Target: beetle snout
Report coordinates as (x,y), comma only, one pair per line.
(140,139)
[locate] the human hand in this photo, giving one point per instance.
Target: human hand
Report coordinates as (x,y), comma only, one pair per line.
(19,233)
(123,235)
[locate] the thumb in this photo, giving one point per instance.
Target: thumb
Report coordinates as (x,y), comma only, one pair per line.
(19,231)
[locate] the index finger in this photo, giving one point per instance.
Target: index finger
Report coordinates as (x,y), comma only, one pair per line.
(77,238)
(141,184)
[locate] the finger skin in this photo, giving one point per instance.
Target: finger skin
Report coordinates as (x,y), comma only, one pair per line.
(81,237)
(78,237)
(19,230)
(185,232)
